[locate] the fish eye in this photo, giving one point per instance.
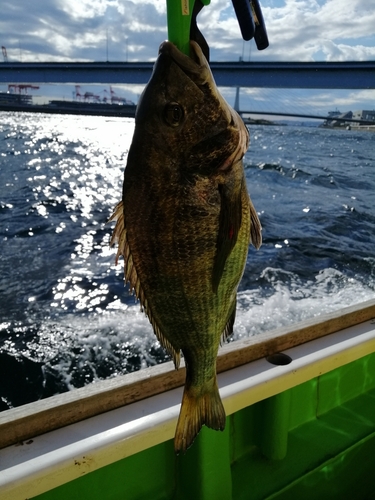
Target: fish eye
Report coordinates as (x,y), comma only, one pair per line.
(173,114)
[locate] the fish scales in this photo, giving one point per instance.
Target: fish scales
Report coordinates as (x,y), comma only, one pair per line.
(185,223)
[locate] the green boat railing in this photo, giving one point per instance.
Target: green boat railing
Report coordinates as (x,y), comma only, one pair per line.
(301,424)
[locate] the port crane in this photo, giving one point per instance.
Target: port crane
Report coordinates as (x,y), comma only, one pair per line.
(21,88)
(91,97)
(87,96)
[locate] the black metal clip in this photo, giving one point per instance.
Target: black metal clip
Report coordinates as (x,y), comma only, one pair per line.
(195,34)
(250,18)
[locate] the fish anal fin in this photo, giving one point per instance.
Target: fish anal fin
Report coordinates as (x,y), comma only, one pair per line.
(200,406)
(164,341)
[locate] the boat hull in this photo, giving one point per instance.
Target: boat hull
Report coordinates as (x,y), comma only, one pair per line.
(305,429)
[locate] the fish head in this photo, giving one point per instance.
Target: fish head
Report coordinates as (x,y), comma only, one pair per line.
(184,115)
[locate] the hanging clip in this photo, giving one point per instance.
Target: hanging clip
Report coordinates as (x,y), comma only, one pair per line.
(250,18)
(182,24)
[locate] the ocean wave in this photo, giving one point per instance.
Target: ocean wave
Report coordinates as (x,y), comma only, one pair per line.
(68,320)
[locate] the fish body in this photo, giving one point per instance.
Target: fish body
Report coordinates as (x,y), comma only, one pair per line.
(185,223)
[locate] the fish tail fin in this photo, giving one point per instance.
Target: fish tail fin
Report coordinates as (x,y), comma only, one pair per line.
(199,407)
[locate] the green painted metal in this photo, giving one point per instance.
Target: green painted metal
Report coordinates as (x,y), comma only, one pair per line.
(326,450)
(214,479)
(275,426)
(179,14)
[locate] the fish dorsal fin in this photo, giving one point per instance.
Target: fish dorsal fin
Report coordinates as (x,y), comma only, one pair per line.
(120,236)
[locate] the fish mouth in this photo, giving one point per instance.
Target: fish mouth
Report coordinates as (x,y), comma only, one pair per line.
(198,70)
(195,65)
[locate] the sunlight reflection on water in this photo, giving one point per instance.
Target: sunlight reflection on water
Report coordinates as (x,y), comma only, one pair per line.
(65,310)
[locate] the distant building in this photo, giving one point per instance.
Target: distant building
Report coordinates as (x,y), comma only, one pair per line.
(364,114)
(17,99)
(348,115)
(337,119)
(332,114)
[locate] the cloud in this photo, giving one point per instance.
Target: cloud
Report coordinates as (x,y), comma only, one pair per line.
(304,30)
(120,30)
(310,30)
(78,31)
(344,52)
(84,9)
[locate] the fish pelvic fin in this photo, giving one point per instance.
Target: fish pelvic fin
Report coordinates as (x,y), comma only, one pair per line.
(255,228)
(200,406)
(228,330)
(131,276)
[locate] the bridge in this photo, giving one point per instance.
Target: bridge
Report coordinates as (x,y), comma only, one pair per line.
(302,75)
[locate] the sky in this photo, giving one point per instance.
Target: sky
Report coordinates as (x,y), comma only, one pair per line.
(78,30)
(125,30)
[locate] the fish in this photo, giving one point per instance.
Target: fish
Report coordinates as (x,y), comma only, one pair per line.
(185,223)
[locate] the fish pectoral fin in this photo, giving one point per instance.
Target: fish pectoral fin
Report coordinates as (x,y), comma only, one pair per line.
(230,219)
(255,228)
(199,407)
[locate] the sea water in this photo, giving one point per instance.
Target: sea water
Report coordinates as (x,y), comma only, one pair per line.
(66,318)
